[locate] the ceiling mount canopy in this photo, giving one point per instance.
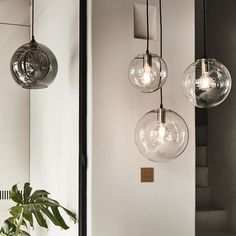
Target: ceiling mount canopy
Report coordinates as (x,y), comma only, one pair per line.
(33,65)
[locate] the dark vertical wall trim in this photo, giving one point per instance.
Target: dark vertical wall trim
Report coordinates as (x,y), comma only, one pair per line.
(199,29)
(83,120)
(200,114)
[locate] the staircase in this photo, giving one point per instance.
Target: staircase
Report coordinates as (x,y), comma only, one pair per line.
(210,221)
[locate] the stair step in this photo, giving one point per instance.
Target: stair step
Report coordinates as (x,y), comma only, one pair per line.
(202,197)
(211,220)
(216,234)
(201,156)
(201,135)
(202,176)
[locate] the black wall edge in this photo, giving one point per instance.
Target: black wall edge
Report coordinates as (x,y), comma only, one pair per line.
(83,119)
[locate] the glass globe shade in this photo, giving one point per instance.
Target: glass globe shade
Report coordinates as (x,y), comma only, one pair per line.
(206,83)
(33,66)
(161,140)
(148,72)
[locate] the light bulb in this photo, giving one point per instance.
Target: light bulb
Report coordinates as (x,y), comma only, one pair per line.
(148,75)
(147,72)
(206,83)
(161,135)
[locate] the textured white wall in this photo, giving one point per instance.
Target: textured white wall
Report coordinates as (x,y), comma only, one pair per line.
(119,204)
(55,111)
(14,101)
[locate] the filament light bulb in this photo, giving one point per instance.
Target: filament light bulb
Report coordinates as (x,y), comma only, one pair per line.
(161,140)
(147,72)
(148,75)
(205,82)
(162,133)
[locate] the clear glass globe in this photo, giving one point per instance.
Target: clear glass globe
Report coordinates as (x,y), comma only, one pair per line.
(206,83)
(33,66)
(148,72)
(161,141)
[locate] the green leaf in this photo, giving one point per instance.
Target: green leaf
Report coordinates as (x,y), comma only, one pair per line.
(11,220)
(71,214)
(16,195)
(37,194)
(27,214)
(38,216)
(16,211)
(59,218)
(49,214)
(24,233)
(27,192)
(47,201)
(24,224)
(29,206)
(8,228)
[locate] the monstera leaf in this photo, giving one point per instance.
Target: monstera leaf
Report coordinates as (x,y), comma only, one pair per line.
(33,207)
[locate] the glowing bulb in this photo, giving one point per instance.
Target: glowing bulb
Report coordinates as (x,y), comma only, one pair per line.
(148,76)
(147,72)
(161,133)
(205,82)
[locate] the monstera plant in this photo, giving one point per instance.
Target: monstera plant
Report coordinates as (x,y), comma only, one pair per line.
(31,207)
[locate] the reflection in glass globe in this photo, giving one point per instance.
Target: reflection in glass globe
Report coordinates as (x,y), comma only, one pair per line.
(161,135)
(147,72)
(34,66)
(206,83)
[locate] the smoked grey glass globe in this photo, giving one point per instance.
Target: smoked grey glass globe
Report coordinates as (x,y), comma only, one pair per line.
(161,141)
(34,66)
(147,72)
(206,83)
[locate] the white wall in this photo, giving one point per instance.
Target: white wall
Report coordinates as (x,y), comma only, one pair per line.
(119,204)
(14,101)
(55,111)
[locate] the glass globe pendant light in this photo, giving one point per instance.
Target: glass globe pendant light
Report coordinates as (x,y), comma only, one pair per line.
(161,135)
(206,83)
(147,71)
(33,65)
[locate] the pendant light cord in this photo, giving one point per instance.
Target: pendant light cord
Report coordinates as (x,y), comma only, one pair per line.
(147,15)
(205,27)
(161,29)
(32,21)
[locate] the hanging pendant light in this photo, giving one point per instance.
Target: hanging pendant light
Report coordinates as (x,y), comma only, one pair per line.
(33,65)
(206,83)
(161,135)
(147,72)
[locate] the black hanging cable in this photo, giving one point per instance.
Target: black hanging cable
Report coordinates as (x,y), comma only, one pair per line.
(147,15)
(32,21)
(161,26)
(205,27)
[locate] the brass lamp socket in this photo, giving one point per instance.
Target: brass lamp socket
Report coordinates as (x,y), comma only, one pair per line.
(147,60)
(162,116)
(205,66)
